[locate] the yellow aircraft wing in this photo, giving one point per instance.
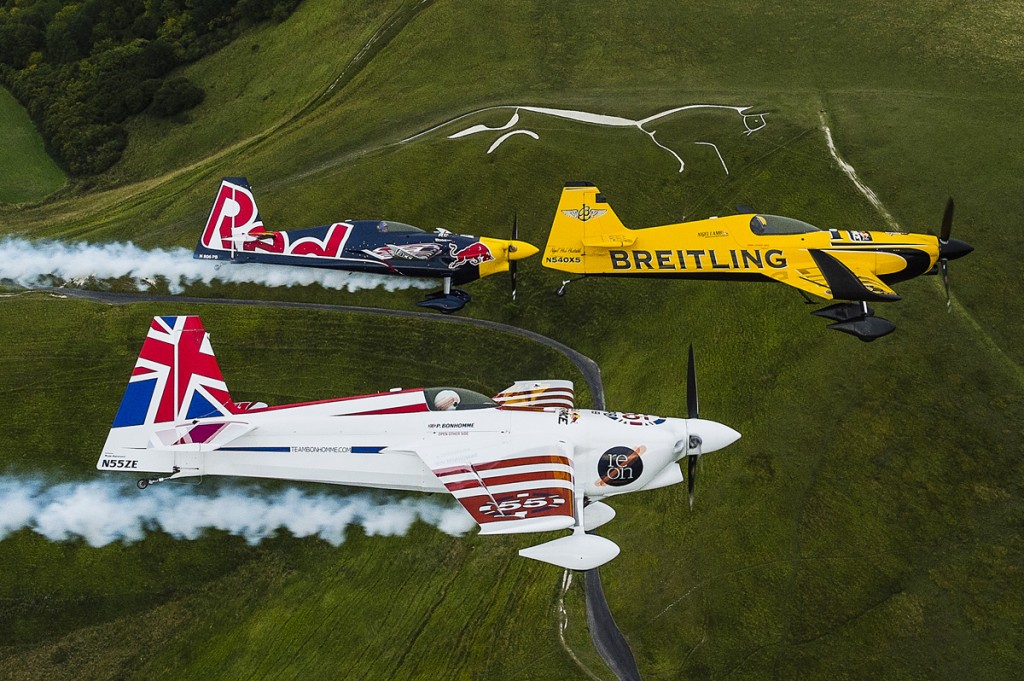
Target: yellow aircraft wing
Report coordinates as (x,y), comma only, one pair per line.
(824,275)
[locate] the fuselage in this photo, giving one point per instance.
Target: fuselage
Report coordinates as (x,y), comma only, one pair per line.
(235,232)
(733,247)
(378,247)
(372,441)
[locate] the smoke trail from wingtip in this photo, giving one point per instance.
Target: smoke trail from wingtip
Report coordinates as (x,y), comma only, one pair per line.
(29,263)
(106,511)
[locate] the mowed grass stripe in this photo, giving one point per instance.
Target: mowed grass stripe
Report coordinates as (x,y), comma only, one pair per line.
(27,173)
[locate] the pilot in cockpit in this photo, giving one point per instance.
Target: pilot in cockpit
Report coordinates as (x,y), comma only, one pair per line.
(446,400)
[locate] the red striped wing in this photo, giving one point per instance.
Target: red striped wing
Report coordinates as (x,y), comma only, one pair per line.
(515,490)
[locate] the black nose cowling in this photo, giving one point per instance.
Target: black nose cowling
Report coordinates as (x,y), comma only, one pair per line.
(954,248)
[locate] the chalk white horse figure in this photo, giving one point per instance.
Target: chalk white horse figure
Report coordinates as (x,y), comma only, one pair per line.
(752,122)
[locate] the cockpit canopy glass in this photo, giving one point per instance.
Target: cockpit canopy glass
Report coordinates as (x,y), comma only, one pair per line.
(456,399)
(390,227)
(776,224)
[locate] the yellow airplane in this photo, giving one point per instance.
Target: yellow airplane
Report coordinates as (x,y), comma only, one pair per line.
(588,239)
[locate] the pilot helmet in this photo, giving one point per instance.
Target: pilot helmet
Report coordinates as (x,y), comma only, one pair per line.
(446,400)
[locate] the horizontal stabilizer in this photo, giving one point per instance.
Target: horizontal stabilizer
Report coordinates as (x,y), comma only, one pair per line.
(609,241)
(205,436)
(578,551)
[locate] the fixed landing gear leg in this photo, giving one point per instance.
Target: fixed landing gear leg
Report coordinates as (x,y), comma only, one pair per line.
(146,482)
(565,284)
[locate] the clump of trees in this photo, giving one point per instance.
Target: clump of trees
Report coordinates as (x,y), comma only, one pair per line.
(83,68)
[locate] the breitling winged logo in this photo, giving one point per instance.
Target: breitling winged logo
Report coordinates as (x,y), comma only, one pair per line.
(586,213)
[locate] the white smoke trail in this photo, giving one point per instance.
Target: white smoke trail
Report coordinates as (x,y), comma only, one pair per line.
(105,511)
(29,263)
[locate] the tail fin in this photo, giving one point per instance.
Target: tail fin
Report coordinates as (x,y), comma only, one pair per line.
(583,224)
(233,216)
(176,377)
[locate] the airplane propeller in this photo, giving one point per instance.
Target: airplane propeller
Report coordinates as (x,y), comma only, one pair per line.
(949,249)
(693,448)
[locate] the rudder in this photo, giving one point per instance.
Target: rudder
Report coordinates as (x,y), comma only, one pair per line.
(583,222)
(233,216)
(176,377)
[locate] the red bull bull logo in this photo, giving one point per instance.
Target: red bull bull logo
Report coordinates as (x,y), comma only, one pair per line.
(473,254)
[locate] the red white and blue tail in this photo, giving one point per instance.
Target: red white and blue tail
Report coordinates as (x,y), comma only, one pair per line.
(176,377)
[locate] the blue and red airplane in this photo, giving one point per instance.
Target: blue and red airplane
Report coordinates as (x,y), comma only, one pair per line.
(235,232)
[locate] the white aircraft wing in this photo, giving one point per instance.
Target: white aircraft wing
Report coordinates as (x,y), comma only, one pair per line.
(520,487)
(509,488)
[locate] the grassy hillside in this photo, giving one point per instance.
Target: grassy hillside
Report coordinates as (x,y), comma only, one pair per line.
(867,524)
(53,622)
(27,173)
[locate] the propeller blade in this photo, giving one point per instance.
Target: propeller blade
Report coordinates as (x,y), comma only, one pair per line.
(512,263)
(944,270)
(691,475)
(949,249)
(947,222)
(692,410)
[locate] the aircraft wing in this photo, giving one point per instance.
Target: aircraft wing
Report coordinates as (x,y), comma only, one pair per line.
(826,276)
(509,488)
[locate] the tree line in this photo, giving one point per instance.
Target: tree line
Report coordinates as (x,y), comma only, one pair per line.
(81,69)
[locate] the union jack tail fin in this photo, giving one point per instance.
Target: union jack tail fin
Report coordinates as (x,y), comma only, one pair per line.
(232,220)
(176,377)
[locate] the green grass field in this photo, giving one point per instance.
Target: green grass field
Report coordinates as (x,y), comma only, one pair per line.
(866,526)
(27,173)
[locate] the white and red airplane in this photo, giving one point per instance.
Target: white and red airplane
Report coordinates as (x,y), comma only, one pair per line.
(526,460)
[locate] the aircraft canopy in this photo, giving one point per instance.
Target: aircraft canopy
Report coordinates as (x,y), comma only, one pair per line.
(440,399)
(777,224)
(391,227)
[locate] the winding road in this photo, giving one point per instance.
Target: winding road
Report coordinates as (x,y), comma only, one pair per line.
(605,634)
